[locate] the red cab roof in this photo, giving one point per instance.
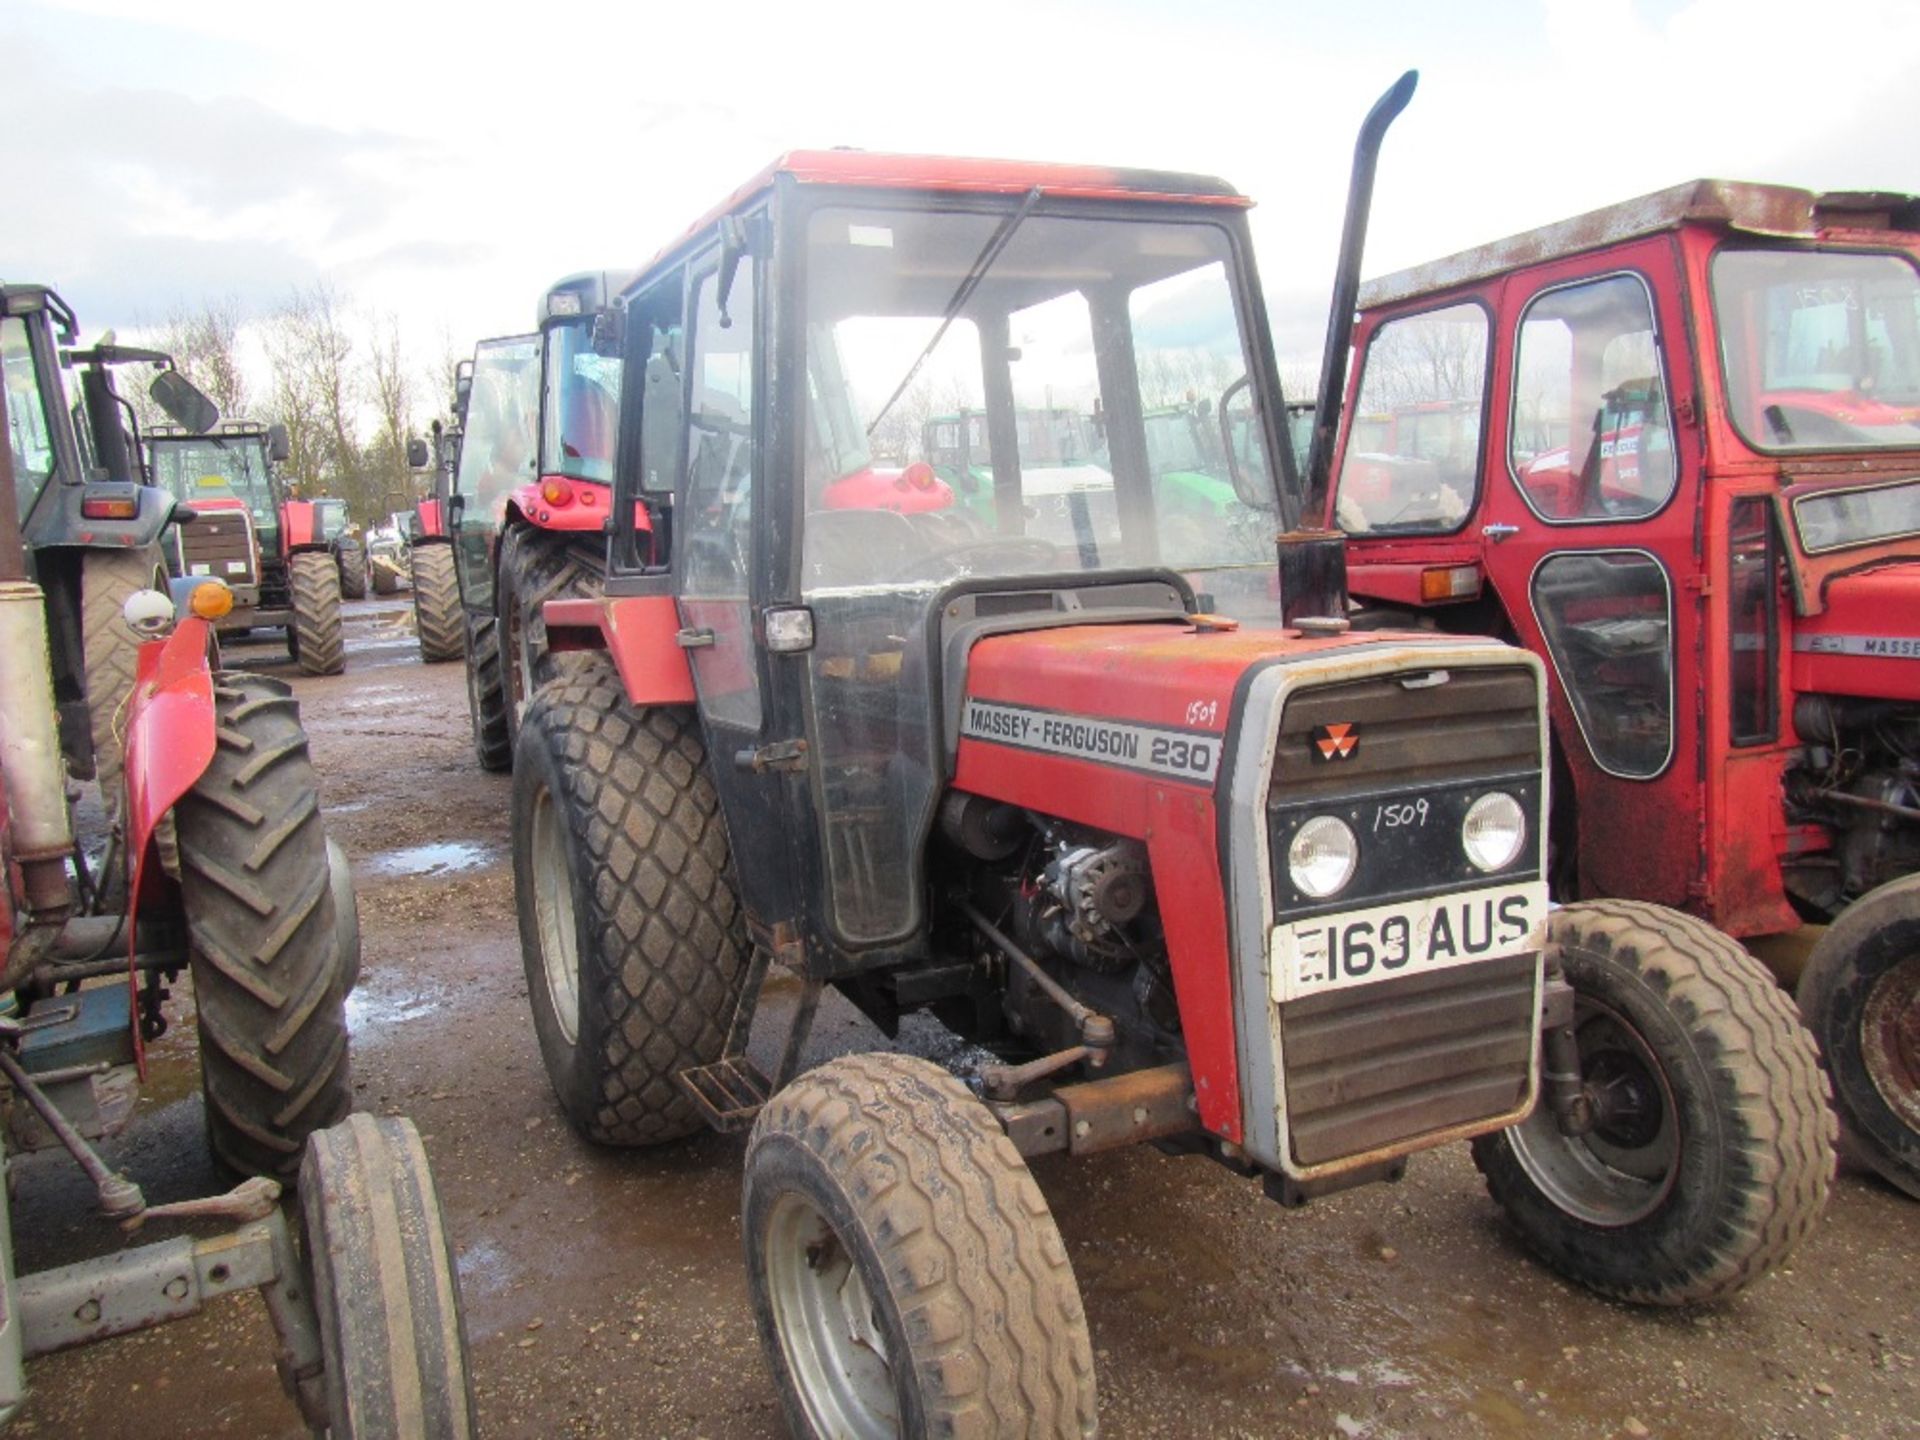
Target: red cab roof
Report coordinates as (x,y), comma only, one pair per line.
(1772,210)
(954,174)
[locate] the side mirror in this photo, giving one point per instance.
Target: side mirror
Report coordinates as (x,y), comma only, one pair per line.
(184,404)
(419,457)
(279,447)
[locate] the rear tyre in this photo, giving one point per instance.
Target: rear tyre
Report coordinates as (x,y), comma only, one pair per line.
(437,616)
(632,934)
(316,635)
(1860,995)
(353,572)
(537,566)
(1711,1154)
(109,651)
(486,696)
(385,1287)
(907,1277)
(269,976)
(385,582)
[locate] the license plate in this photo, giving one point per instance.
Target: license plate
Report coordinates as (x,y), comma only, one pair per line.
(1409,937)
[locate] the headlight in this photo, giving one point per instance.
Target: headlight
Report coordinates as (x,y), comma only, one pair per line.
(1322,857)
(1494,831)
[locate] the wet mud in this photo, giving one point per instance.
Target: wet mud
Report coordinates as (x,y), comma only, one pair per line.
(604,1289)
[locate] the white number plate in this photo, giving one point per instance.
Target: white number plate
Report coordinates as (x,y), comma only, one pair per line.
(1411,937)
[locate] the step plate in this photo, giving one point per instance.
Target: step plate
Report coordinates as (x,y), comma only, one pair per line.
(728,1093)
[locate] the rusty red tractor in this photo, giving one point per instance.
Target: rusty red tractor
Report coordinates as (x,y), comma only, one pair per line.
(271,550)
(1680,466)
(1130,806)
(216,866)
(530,501)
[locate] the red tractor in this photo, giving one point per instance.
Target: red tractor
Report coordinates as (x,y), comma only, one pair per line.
(1189,864)
(218,868)
(1694,423)
(273,551)
(530,507)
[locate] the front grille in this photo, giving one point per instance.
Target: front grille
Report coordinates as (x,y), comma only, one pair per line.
(1435,748)
(216,544)
(1383,1065)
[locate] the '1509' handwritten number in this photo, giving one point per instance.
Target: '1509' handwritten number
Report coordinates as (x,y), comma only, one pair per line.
(1399,816)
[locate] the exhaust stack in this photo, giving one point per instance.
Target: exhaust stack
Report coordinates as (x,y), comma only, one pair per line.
(1313,559)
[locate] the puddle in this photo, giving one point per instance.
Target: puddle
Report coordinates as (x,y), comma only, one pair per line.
(368,1009)
(444,858)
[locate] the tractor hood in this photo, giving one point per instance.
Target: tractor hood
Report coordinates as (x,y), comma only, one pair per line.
(1153,700)
(1866,641)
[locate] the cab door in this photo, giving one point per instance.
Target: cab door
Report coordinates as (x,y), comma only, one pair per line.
(498,452)
(1589,530)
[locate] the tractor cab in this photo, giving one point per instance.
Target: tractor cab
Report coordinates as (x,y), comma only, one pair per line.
(1681,461)
(580,379)
(228,477)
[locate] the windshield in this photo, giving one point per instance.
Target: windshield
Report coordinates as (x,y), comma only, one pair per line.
(207,467)
(497,443)
(1090,336)
(27,433)
(582,406)
(1821,350)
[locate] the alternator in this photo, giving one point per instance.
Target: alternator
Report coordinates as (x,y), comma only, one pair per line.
(1099,892)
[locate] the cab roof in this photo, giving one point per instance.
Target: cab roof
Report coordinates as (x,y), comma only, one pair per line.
(1777,211)
(954,174)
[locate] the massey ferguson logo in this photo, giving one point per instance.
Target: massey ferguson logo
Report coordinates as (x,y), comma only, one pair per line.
(1336,742)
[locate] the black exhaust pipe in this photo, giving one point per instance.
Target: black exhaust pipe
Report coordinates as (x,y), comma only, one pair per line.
(1313,559)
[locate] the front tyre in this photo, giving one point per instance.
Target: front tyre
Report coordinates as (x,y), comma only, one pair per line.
(316,636)
(1711,1151)
(1860,995)
(385,1287)
(631,930)
(270,976)
(353,572)
(907,1277)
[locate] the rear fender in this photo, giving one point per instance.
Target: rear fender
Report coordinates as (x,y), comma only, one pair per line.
(170,736)
(586,509)
(428,523)
(300,526)
(638,631)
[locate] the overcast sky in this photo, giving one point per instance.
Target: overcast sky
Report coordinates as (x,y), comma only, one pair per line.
(446,163)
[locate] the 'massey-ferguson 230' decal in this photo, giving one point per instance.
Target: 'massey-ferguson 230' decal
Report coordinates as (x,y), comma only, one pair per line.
(1178,754)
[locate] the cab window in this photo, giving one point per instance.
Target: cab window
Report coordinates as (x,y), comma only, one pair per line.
(27,433)
(1412,460)
(1607,616)
(1591,439)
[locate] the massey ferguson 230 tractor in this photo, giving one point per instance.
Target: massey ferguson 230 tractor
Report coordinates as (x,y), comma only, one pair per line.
(532,497)
(224,874)
(1673,447)
(272,551)
(1200,864)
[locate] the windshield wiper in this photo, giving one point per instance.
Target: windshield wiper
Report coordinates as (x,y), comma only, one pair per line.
(969,282)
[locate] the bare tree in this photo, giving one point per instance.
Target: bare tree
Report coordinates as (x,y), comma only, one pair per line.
(391,383)
(205,345)
(317,390)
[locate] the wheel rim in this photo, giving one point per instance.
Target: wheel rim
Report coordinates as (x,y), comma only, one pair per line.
(829,1332)
(553,913)
(1890,1039)
(1623,1169)
(519,675)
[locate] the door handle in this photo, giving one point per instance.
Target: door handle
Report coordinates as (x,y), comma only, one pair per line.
(691,639)
(1498,532)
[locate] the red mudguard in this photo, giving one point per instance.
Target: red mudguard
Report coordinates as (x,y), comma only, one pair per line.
(170,736)
(299,526)
(585,506)
(638,632)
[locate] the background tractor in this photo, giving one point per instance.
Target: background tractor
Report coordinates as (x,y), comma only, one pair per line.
(1670,446)
(438,617)
(270,550)
(219,868)
(1181,856)
(530,506)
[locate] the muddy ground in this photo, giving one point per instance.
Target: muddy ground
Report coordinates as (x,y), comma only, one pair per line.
(604,1290)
